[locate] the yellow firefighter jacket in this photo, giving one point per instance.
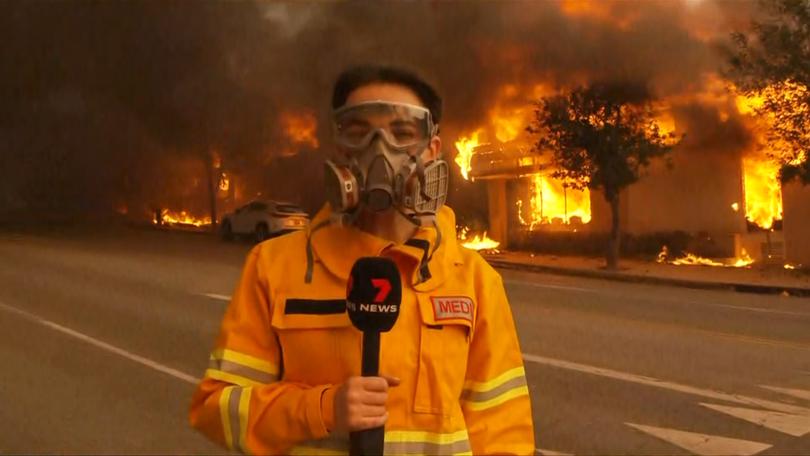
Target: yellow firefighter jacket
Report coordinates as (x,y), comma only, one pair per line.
(286,344)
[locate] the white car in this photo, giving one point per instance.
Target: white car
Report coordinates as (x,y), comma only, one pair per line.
(263,219)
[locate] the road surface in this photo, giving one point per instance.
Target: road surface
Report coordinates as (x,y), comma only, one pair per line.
(103,335)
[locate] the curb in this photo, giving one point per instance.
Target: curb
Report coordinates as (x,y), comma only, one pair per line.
(653,280)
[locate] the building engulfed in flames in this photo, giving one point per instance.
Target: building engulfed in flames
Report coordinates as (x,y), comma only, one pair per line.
(733,199)
(522,193)
(540,200)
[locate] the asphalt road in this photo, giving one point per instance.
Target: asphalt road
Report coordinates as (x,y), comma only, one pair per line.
(103,335)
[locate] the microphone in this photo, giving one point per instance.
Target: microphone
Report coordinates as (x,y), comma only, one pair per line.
(373,297)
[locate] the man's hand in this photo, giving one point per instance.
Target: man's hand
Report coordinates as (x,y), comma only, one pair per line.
(360,403)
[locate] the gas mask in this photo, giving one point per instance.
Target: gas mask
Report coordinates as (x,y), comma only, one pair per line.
(379,164)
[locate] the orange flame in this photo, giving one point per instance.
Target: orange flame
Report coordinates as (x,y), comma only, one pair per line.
(224,182)
(508,118)
(694,260)
(800,158)
(551,202)
(749,104)
(508,124)
(478,242)
(665,123)
(600,11)
(300,128)
(465,147)
(763,198)
(743,260)
(216,160)
(181,218)
(763,193)
(690,259)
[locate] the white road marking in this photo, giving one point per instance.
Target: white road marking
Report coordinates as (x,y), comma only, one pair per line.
(656,298)
(553,287)
(672,386)
(795,425)
(217,296)
(740,337)
(703,444)
(760,309)
(103,345)
(800,393)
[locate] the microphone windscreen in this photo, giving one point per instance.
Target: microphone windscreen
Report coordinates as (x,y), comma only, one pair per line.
(374,294)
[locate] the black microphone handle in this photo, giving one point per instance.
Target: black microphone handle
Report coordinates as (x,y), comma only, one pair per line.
(371,354)
(370,442)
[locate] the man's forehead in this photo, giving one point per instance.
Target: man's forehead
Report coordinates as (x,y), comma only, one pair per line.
(394,93)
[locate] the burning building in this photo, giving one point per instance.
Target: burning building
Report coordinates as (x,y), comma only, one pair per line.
(720,186)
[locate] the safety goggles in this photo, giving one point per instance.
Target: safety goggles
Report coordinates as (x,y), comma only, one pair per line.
(402,126)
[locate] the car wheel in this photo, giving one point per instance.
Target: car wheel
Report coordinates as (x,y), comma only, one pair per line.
(226,230)
(262,232)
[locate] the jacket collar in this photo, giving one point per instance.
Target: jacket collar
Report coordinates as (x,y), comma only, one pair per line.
(338,247)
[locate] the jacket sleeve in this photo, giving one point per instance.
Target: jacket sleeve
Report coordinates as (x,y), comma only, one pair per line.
(241,403)
(495,399)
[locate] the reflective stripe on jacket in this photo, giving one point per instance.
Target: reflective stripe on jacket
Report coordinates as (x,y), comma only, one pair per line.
(285,344)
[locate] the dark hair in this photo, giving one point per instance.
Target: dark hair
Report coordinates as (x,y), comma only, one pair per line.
(363,75)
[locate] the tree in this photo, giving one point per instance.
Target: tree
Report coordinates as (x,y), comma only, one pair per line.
(771,62)
(601,137)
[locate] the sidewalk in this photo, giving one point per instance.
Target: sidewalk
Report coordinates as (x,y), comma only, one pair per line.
(755,279)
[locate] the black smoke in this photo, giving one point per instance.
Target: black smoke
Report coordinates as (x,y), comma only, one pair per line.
(99,97)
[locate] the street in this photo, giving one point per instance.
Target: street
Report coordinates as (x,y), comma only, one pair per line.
(103,335)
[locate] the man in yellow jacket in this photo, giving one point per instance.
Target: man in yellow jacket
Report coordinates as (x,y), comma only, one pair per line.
(284,375)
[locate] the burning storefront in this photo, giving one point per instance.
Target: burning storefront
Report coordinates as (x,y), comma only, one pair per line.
(718,195)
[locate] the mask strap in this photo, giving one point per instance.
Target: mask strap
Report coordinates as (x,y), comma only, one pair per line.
(423,271)
(413,218)
(419,169)
(310,258)
(438,237)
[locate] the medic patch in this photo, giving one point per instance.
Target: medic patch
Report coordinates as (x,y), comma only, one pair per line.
(451,307)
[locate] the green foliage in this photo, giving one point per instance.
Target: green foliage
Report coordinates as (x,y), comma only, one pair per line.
(600,136)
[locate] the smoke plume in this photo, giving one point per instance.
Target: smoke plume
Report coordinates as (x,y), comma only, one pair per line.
(101,98)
